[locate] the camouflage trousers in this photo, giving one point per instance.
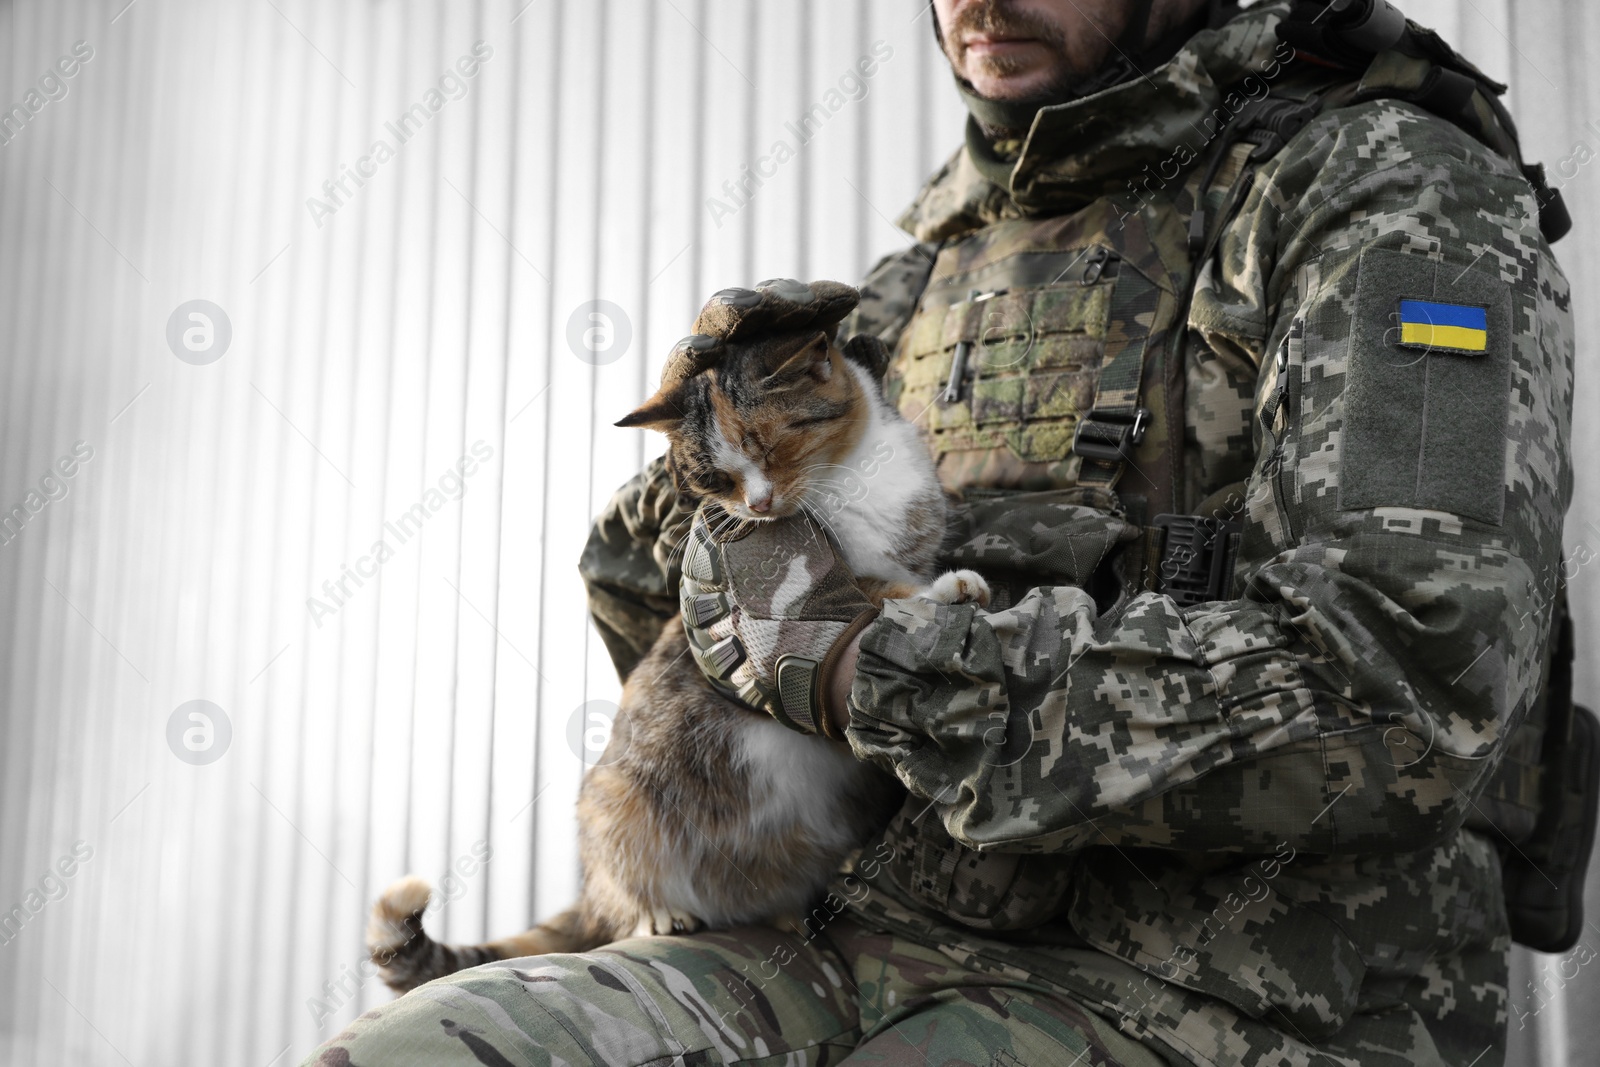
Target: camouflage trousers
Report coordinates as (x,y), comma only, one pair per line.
(747,996)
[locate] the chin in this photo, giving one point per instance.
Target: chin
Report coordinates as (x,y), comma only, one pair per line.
(1008,83)
(1013,90)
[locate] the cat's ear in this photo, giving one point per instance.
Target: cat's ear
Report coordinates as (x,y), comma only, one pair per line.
(663,412)
(815,360)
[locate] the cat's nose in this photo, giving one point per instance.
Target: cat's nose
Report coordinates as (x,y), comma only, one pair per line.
(759,504)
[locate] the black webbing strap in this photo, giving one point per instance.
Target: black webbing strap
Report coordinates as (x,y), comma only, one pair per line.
(1114,425)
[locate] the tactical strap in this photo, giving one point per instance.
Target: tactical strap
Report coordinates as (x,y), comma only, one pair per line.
(1116,422)
(1114,425)
(1190,558)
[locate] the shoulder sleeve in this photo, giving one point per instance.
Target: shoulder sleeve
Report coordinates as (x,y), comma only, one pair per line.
(1402,546)
(889,294)
(630,564)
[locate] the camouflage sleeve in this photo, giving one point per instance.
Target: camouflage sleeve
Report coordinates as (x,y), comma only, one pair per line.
(630,564)
(889,294)
(1402,537)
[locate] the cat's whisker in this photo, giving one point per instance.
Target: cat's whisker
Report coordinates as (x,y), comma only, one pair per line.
(677,552)
(819,518)
(683,543)
(824,466)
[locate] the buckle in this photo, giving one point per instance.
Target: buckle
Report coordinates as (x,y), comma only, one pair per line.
(1106,435)
(1197,557)
(1271,122)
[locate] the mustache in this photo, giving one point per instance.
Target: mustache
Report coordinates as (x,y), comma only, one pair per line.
(998,18)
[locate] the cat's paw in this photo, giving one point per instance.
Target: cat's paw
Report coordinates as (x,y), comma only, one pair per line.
(668,920)
(958,587)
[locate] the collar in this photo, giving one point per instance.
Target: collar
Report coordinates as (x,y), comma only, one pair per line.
(1076,152)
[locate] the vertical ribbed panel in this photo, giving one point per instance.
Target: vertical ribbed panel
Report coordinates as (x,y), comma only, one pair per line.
(408,719)
(619,150)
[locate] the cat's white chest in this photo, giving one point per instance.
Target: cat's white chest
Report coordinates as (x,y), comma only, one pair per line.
(865,530)
(883,488)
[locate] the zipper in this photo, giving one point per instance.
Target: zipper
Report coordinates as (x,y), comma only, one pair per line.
(1290,359)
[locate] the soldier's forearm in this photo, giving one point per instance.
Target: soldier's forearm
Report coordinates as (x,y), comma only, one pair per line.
(1322,714)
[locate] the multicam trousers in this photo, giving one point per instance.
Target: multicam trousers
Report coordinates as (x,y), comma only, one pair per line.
(747,996)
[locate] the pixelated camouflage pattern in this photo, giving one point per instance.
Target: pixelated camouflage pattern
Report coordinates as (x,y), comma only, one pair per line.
(1079,153)
(832,992)
(1355,698)
(1151,765)
(1019,541)
(1280,958)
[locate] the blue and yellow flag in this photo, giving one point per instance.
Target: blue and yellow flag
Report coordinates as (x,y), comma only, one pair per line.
(1456,327)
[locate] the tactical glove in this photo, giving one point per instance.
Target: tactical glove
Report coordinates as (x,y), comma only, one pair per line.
(769,607)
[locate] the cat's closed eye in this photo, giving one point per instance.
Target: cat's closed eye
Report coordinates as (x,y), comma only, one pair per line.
(714,482)
(799,424)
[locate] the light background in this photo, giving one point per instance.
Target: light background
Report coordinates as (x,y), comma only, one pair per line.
(434,708)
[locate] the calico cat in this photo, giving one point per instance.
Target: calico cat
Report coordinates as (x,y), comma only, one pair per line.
(702,813)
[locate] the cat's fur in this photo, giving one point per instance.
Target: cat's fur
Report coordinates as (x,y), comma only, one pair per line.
(702,813)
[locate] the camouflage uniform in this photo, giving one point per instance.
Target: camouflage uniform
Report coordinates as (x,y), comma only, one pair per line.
(1245,831)
(749,996)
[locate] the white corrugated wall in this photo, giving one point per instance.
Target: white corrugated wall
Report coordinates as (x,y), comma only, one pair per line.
(437,308)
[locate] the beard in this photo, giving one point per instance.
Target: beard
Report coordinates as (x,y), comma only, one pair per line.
(999,18)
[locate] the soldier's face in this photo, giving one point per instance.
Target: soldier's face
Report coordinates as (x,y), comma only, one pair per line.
(1030,49)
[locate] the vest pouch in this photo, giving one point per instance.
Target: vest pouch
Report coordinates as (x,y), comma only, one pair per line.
(1025,361)
(1543,881)
(1028,325)
(1002,357)
(1540,806)
(1035,358)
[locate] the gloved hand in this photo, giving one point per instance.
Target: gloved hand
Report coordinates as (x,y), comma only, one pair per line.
(768,608)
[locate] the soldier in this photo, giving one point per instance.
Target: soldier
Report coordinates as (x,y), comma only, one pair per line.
(1236,337)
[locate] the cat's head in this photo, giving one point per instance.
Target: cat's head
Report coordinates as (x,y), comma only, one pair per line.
(764,424)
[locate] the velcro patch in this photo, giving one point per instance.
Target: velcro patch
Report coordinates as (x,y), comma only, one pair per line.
(1423,427)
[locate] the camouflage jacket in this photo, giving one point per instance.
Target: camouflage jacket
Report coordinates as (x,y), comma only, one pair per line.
(1258,810)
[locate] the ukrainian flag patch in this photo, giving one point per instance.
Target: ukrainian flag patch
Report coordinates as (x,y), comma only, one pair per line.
(1450,327)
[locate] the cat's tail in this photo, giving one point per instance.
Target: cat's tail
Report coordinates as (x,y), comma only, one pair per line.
(407,957)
